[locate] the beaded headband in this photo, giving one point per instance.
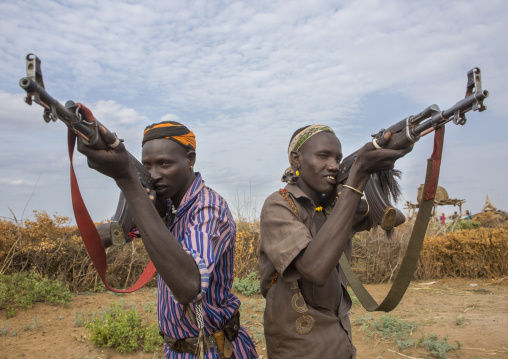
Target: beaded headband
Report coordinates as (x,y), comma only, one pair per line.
(297,142)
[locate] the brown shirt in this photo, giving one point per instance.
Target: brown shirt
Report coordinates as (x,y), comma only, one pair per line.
(301,319)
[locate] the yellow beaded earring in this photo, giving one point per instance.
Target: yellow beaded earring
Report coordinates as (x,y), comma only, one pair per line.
(297,173)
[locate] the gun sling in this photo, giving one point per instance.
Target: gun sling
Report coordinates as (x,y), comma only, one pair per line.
(410,260)
(91,238)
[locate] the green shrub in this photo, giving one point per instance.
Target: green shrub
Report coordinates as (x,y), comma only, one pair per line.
(23,290)
(459,320)
(354,299)
(248,285)
(120,327)
(153,341)
(437,347)
(4,330)
(116,327)
(391,329)
(36,323)
(465,224)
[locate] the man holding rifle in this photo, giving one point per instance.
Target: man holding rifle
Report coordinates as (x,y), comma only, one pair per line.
(198,314)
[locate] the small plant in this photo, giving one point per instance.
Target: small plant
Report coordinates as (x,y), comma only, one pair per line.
(23,290)
(116,327)
(4,330)
(354,299)
(437,347)
(97,288)
(459,320)
(11,312)
(149,306)
(248,285)
(153,341)
(120,327)
(464,224)
(79,319)
(389,328)
(36,323)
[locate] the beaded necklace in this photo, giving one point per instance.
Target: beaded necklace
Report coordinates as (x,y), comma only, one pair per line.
(283,193)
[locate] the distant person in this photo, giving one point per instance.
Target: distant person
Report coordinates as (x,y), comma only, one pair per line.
(194,257)
(443,219)
(455,215)
(468,215)
(307,302)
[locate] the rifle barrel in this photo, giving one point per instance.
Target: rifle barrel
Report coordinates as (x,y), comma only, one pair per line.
(51,105)
(465,105)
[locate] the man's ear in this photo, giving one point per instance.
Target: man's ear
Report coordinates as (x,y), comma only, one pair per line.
(295,160)
(191,158)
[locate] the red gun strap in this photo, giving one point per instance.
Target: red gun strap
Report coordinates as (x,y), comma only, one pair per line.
(430,191)
(89,234)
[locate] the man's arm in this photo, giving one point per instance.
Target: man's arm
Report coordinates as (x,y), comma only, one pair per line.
(321,256)
(176,267)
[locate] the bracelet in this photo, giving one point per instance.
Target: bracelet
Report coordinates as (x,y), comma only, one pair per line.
(368,208)
(354,189)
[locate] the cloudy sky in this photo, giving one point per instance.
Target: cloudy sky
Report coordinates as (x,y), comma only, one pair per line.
(243,76)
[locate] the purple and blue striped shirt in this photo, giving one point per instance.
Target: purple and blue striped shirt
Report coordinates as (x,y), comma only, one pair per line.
(206,230)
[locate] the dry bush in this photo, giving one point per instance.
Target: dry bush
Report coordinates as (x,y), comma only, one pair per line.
(492,219)
(247,236)
(246,249)
(377,256)
(51,247)
(468,253)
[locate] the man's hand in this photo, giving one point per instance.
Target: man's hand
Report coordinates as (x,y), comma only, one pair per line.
(371,160)
(114,163)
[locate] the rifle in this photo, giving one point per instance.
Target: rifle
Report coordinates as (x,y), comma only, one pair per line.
(381,186)
(74,116)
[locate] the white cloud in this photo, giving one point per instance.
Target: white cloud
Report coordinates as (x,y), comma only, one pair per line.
(244,75)
(170,117)
(15,181)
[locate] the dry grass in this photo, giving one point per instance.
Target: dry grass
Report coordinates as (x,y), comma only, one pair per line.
(50,246)
(447,252)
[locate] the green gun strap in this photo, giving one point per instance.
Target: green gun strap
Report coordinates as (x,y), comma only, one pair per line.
(410,260)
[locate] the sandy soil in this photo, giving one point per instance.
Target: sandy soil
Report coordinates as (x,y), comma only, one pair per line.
(483,305)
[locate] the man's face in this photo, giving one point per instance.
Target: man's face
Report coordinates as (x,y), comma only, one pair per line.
(319,158)
(169,165)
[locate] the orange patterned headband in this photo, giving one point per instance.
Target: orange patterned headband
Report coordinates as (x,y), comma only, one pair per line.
(172,131)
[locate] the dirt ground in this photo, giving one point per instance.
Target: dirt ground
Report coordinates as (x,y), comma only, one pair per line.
(474,312)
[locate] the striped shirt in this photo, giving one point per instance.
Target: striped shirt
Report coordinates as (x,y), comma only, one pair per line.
(206,230)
